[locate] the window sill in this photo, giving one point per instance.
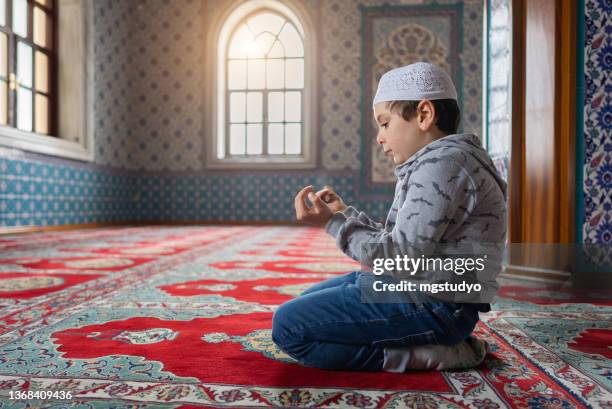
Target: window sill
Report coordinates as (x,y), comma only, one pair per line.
(39,143)
(261,163)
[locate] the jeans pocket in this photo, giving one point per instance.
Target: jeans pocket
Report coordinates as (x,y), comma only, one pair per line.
(420,338)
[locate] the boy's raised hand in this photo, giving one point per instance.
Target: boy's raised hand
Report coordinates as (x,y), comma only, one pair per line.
(318,214)
(332,199)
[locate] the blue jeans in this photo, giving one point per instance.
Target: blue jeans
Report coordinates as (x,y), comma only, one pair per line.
(329,327)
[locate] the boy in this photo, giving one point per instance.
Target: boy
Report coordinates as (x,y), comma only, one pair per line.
(448,191)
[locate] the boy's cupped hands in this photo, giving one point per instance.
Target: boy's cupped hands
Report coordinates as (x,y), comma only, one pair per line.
(325,203)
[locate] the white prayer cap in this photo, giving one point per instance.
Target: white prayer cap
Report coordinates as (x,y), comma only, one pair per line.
(415,82)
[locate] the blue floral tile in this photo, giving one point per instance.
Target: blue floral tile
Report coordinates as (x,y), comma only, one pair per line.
(597,125)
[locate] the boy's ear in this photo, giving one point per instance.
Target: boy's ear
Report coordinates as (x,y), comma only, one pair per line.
(426,115)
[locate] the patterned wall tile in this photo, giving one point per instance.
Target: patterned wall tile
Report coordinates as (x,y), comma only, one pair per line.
(168,84)
(149,72)
(39,192)
(45,193)
(113,95)
(597,125)
(238,197)
(231,198)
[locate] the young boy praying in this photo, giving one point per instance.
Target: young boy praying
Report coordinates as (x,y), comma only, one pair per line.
(448,192)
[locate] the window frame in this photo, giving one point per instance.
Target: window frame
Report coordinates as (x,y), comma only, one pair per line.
(70,136)
(225,23)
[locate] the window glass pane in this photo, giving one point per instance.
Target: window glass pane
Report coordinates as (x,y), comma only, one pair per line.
(254,50)
(221,153)
(24,109)
(254,139)
(42,114)
(254,107)
(20,17)
(240,43)
(265,41)
(237,107)
(237,139)
(3,54)
(275,74)
(24,64)
(292,41)
(42,71)
(295,73)
(40,27)
(275,139)
(266,22)
(257,79)
(3,12)
(3,102)
(275,107)
(293,139)
(277,50)
(499,66)
(293,107)
(237,74)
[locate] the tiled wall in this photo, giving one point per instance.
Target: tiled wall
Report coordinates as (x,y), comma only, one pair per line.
(235,197)
(42,192)
(595,124)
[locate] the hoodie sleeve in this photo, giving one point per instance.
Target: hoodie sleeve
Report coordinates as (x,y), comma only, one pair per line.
(437,189)
(350,211)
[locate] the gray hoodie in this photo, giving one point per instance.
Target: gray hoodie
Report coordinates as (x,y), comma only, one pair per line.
(447,192)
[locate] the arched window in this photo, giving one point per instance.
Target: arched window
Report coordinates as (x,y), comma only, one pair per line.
(264,94)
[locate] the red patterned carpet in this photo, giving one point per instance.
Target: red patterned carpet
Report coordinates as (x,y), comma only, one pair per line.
(168,317)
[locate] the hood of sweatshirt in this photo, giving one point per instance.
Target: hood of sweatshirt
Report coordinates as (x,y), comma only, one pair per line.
(469,143)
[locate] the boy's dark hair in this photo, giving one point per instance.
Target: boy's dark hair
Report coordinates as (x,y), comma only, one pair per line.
(447,113)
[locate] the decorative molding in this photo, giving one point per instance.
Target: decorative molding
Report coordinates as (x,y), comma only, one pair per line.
(447,43)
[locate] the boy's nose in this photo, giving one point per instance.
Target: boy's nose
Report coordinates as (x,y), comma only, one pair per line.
(379,138)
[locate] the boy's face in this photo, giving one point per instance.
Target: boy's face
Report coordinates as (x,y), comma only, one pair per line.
(398,137)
